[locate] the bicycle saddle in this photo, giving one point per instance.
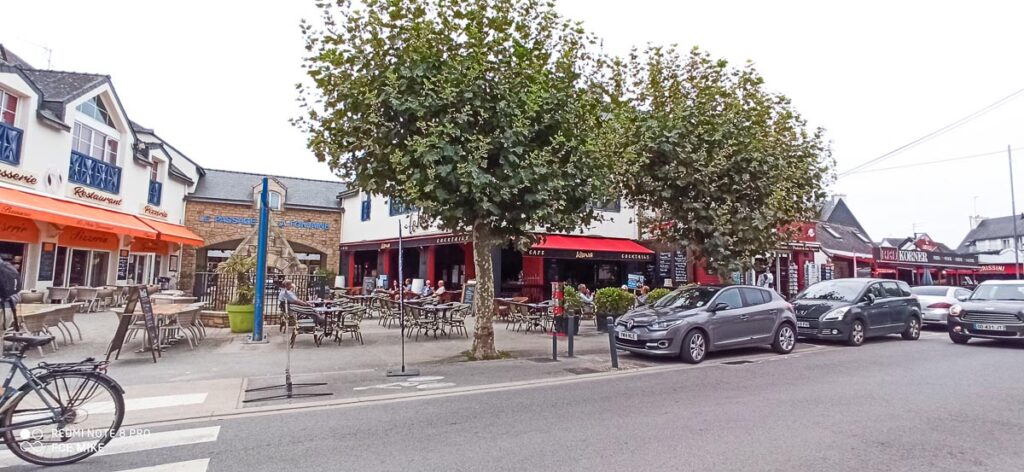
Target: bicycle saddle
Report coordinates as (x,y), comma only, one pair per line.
(30,341)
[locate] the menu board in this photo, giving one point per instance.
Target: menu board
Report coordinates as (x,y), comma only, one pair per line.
(122,265)
(679,267)
(46,260)
(369,284)
(664,264)
(137,296)
(469,292)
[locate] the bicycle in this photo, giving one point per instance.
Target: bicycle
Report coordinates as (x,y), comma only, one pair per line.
(63,413)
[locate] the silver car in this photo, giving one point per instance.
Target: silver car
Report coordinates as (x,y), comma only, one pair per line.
(692,321)
(936,300)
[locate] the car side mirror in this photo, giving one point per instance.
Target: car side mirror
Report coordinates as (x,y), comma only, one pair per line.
(720,307)
(963,298)
(869,299)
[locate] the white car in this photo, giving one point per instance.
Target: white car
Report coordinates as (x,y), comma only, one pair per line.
(936,301)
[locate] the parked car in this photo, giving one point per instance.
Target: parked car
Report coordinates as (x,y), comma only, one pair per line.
(994,311)
(692,321)
(853,310)
(936,300)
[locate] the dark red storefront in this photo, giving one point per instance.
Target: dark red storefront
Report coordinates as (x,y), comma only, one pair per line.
(436,257)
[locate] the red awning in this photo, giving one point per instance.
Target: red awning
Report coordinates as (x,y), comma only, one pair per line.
(585,243)
(882,270)
(63,212)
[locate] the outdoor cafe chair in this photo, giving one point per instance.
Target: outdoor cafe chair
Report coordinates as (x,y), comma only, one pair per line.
(31,297)
(104,298)
(303,322)
(182,324)
(35,325)
(457,319)
(52,319)
(350,325)
(67,317)
(58,294)
(87,296)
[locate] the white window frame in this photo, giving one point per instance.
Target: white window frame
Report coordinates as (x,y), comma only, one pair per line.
(5,96)
(270,200)
(105,111)
(90,145)
(154,171)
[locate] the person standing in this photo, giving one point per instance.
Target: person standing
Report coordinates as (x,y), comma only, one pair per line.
(766,279)
(9,286)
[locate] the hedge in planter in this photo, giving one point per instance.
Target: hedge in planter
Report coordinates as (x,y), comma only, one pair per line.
(613,302)
(657,294)
(241,311)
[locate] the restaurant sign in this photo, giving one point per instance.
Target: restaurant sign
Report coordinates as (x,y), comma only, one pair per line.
(253,221)
(912,257)
(589,255)
(18,177)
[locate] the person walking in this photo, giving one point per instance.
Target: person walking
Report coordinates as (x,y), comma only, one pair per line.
(766,279)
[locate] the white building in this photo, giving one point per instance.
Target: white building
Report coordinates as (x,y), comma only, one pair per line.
(87,198)
(600,255)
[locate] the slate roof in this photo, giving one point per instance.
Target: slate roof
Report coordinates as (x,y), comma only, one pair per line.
(13,59)
(992,228)
(836,211)
(847,242)
(236,187)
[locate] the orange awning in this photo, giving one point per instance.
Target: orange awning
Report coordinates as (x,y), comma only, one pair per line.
(18,229)
(63,212)
(175,233)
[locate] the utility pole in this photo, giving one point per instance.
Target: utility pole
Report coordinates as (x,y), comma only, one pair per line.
(1013,219)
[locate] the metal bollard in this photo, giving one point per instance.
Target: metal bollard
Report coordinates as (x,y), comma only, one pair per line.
(572,323)
(611,342)
(554,344)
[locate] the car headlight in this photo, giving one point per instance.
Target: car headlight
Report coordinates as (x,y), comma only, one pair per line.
(955,310)
(836,314)
(663,325)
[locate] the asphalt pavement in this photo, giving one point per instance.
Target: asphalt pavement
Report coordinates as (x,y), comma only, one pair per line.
(890,405)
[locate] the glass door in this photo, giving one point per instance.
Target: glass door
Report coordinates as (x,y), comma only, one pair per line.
(98,272)
(59,266)
(78,268)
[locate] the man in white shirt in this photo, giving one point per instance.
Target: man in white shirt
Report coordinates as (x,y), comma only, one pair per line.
(287,295)
(440,288)
(766,280)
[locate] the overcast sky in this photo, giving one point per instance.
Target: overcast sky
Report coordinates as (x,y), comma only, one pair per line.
(216,78)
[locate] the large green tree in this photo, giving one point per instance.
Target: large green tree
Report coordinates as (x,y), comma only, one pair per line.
(485,114)
(717,163)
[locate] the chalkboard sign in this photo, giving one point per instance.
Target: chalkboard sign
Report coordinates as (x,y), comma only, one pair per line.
(469,292)
(137,295)
(369,284)
(664,264)
(122,265)
(680,273)
(46,260)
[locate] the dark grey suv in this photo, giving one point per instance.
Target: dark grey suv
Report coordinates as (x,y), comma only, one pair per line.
(852,310)
(694,320)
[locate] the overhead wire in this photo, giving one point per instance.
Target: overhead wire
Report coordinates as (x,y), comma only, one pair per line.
(928,163)
(943,130)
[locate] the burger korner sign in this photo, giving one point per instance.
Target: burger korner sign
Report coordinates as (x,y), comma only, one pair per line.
(891,254)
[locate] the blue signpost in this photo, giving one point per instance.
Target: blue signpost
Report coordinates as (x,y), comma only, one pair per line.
(261,265)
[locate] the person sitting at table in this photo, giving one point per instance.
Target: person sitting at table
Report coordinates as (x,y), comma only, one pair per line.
(393,291)
(440,288)
(407,286)
(427,289)
(287,295)
(585,294)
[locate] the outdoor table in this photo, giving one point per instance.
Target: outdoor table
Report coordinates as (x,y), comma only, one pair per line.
(161,299)
(439,313)
(162,312)
(332,315)
(30,309)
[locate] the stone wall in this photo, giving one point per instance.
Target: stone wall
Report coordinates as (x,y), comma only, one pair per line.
(202,218)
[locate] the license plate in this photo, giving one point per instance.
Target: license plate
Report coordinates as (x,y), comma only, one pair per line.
(627,335)
(803,324)
(989,327)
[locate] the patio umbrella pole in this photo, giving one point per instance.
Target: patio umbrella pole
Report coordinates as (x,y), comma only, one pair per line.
(288,386)
(392,372)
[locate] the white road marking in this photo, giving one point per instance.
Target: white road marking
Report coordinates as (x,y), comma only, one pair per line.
(136,440)
(149,403)
(199,465)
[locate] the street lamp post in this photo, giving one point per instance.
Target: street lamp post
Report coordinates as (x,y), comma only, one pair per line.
(1013,218)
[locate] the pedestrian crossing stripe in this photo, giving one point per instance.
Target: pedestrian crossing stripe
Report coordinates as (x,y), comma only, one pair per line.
(150,403)
(140,442)
(199,465)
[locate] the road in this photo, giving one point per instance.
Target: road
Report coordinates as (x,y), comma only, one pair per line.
(890,405)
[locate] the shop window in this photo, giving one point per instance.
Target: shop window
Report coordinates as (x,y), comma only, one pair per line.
(1005,243)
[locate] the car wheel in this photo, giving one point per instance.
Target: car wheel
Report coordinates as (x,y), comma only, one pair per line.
(785,339)
(958,338)
(695,347)
(856,333)
(913,330)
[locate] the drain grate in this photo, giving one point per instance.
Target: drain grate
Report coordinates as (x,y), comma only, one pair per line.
(582,370)
(738,362)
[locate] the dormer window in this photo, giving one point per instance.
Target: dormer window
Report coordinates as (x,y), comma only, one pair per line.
(828,229)
(95,108)
(8,108)
(861,237)
(94,144)
(274,198)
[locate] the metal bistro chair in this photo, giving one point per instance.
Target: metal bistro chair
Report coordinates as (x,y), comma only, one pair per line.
(35,325)
(67,317)
(350,325)
(457,318)
(32,297)
(182,323)
(58,294)
(104,298)
(88,297)
(303,322)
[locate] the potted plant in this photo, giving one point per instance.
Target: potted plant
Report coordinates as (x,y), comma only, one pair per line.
(613,302)
(241,311)
(657,294)
(572,305)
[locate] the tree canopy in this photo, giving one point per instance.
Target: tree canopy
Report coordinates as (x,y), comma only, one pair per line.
(482,113)
(717,162)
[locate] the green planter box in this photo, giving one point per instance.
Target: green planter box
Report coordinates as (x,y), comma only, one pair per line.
(241,317)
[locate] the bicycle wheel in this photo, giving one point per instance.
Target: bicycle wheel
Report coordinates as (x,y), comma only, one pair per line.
(90,408)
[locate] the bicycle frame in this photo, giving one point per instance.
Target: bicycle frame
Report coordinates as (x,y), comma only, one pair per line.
(17,366)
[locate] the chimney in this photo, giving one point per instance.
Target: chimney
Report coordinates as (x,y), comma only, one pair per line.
(976,220)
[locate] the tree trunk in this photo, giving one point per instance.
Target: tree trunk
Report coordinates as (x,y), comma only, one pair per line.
(483,332)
